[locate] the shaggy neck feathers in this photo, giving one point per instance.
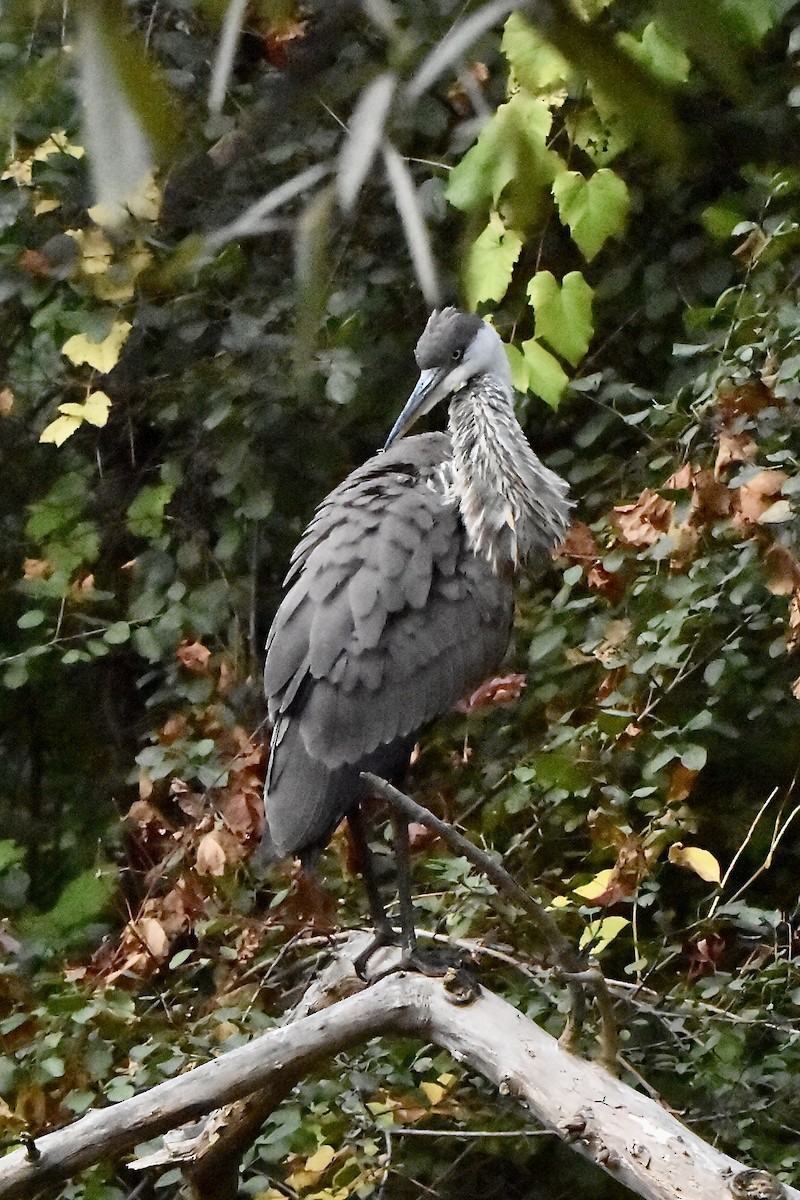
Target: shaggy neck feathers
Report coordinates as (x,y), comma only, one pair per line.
(513,507)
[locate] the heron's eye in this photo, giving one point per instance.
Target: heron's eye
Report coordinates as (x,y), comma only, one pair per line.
(456,355)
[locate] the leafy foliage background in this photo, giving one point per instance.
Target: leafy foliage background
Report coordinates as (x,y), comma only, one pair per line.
(623,200)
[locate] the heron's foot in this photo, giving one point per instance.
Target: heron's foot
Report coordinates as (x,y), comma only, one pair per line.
(440,963)
(382,936)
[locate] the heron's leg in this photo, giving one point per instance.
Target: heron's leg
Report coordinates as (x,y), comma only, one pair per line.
(382,924)
(402,855)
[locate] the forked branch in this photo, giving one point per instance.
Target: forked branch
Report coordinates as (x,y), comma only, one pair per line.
(626,1133)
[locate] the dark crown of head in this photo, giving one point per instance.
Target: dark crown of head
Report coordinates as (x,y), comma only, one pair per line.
(448,331)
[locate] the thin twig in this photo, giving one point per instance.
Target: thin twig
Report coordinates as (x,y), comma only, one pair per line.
(568,959)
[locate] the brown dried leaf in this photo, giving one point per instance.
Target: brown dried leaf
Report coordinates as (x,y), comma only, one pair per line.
(579,546)
(643,522)
(36,568)
(793,632)
(733,448)
(154,936)
(681,782)
(173,728)
(704,954)
(211,856)
(194,656)
(744,399)
(33,262)
(783,570)
(500,690)
(759,494)
(6,401)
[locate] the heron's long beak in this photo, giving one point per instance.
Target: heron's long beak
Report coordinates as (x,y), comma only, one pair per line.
(422,399)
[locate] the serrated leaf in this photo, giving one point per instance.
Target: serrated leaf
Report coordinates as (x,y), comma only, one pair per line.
(490,262)
(511,146)
(520,373)
(594,209)
(535,63)
(57,432)
(104,355)
(563,313)
(658,53)
(702,862)
(546,376)
(96,407)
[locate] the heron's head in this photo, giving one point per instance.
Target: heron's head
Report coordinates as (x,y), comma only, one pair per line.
(455,348)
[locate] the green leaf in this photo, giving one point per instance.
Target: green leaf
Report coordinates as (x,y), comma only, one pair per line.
(146,511)
(81,902)
(563,313)
(10,853)
(520,374)
(117,633)
(694,757)
(490,262)
(535,63)
(595,209)
(512,146)
(31,618)
(658,53)
(546,376)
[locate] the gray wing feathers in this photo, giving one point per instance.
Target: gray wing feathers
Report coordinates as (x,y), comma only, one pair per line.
(389,620)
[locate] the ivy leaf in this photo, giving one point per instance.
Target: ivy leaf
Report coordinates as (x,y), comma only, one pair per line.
(490,262)
(511,146)
(94,410)
(146,511)
(520,372)
(658,53)
(563,313)
(546,376)
(104,355)
(595,209)
(57,432)
(535,63)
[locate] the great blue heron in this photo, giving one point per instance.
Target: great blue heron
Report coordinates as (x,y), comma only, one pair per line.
(400,592)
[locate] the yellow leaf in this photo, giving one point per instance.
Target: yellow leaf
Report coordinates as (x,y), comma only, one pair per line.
(560,902)
(446,1080)
(96,250)
(702,862)
(320,1160)
(595,887)
(59,430)
(103,356)
(599,934)
(95,409)
(144,204)
(433,1091)
(57,143)
(45,204)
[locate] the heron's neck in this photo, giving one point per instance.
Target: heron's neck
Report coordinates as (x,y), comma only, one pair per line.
(513,507)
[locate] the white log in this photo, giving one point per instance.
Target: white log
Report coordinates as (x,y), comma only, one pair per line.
(628,1134)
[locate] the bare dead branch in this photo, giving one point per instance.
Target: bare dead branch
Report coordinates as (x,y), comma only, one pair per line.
(626,1133)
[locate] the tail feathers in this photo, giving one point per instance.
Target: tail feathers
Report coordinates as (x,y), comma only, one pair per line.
(305,799)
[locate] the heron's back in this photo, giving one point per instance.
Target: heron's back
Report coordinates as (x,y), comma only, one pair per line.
(388,621)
